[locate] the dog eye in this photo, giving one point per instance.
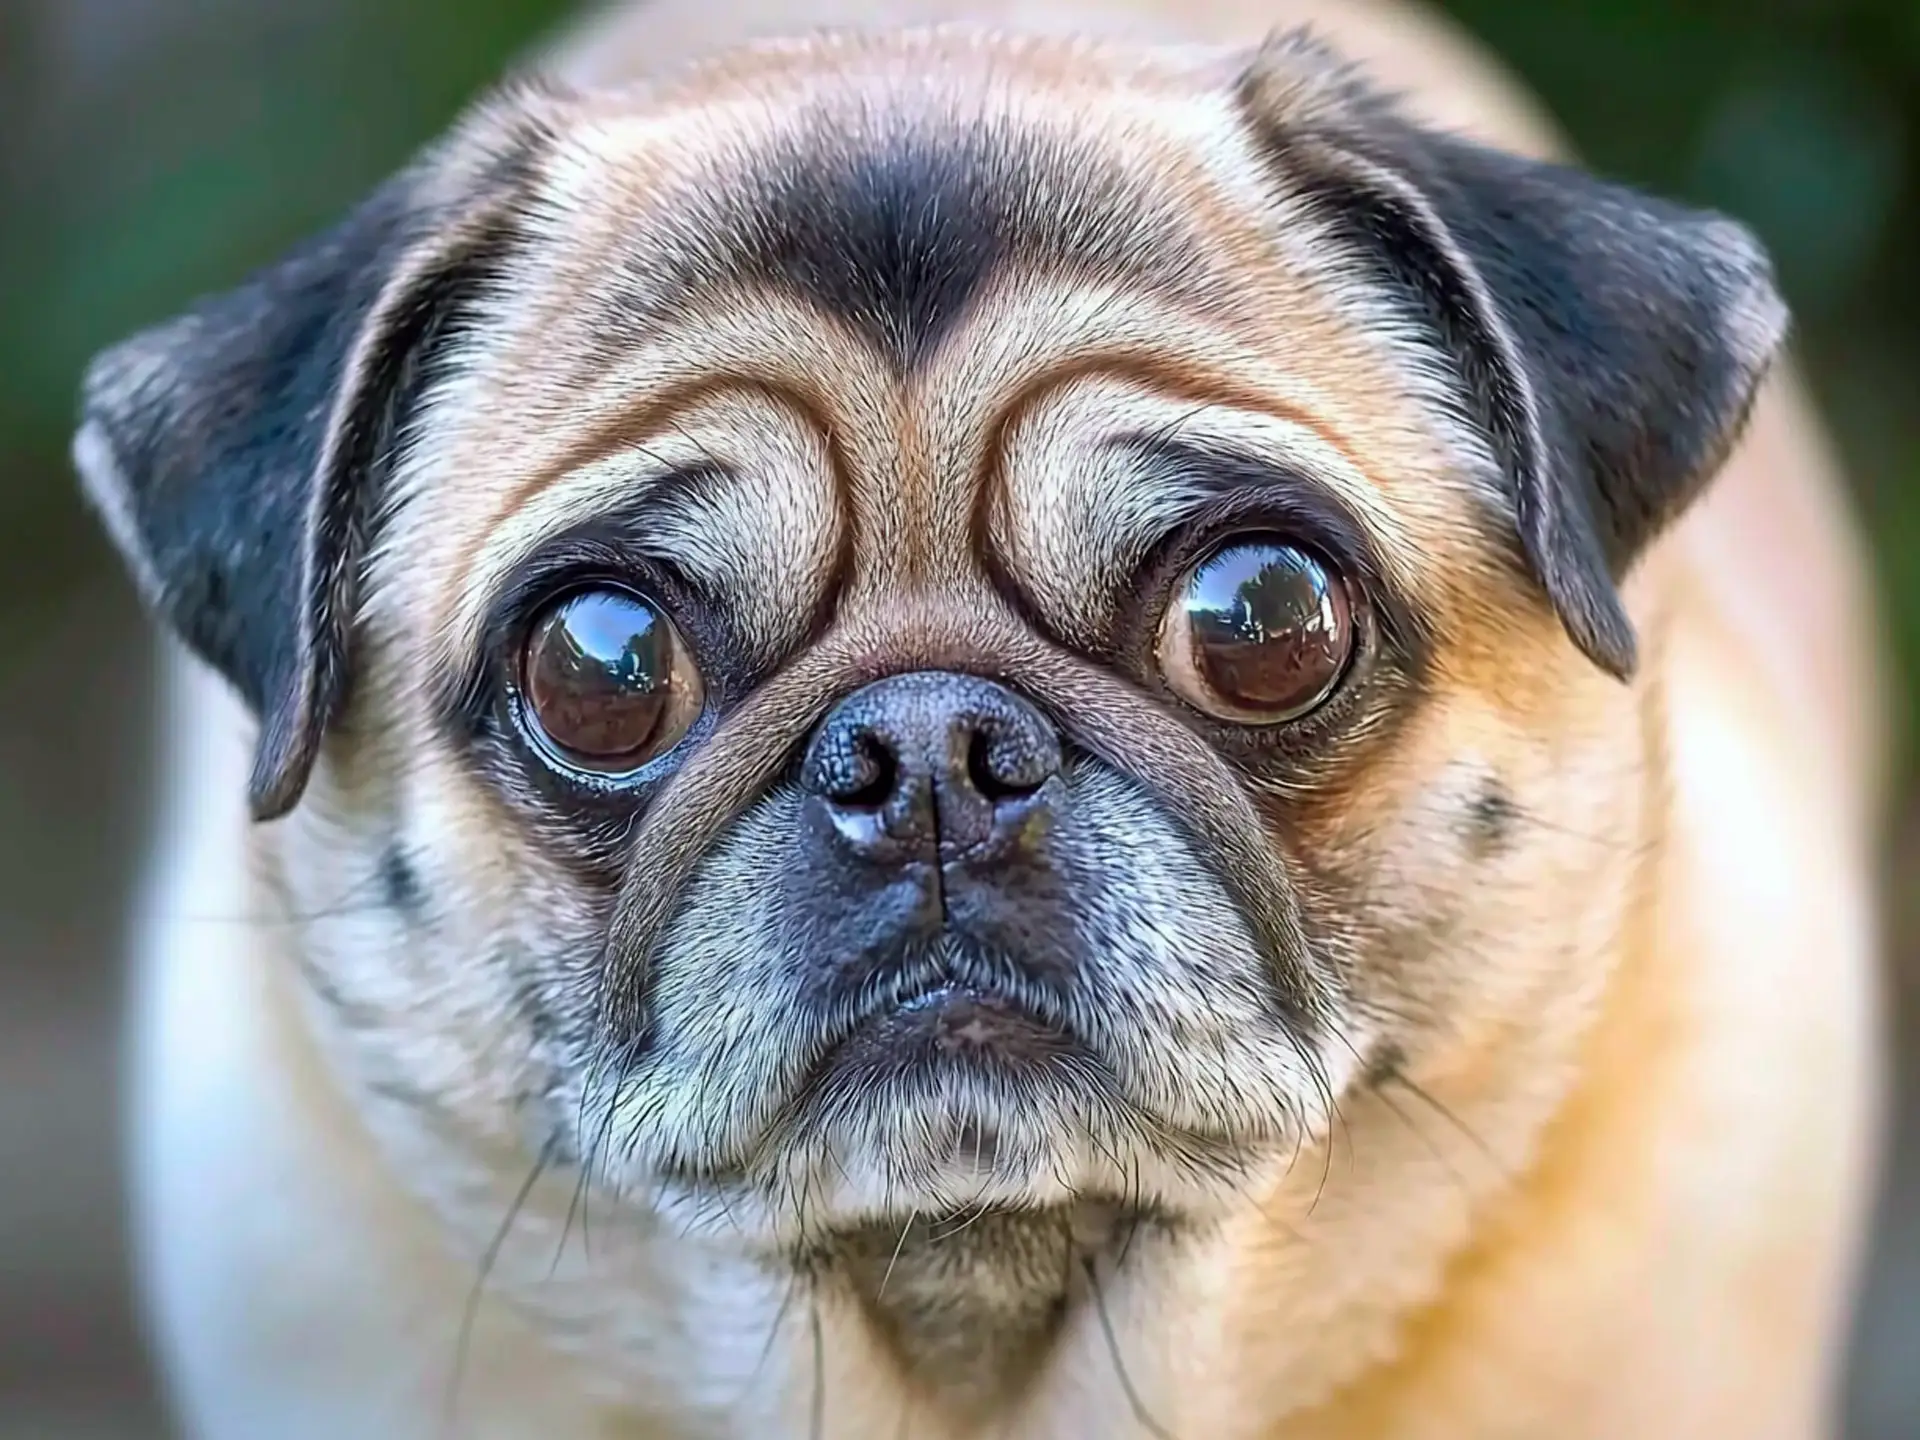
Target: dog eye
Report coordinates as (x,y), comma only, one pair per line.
(608,682)
(1259,632)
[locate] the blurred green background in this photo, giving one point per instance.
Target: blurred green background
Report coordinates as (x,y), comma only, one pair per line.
(150,149)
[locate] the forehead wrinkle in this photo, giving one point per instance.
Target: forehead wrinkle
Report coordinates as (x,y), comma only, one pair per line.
(764,343)
(654,182)
(898,234)
(1084,504)
(761,337)
(885,209)
(750,544)
(1288,448)
(1042,337)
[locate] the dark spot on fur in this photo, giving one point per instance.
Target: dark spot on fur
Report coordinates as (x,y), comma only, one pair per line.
(400,882)
(1384,1068)
(896,222)
(1490,818)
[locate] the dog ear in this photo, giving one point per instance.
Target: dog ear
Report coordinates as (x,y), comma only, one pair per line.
(236,452)
(1610,343)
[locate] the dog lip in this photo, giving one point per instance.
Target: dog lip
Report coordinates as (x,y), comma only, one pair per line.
(950,1022)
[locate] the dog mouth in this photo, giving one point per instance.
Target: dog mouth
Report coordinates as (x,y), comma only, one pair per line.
(950,1024)
(952,1078)
(956,1081)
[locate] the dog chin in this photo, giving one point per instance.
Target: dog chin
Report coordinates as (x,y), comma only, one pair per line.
(950,1138)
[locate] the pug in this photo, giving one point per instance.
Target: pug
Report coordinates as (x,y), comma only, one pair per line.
(1093,723)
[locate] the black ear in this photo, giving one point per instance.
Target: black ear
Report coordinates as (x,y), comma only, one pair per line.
(1609,344)
(236,452)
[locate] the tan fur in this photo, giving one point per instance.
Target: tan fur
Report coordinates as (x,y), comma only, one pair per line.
(1624,1198)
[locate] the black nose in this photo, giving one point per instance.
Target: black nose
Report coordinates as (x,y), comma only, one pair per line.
(932,766)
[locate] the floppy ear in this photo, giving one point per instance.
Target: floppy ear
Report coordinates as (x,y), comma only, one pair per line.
(236,452)
(1610,344)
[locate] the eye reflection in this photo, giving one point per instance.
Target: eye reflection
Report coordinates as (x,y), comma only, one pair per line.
(1260,631)
(609,683)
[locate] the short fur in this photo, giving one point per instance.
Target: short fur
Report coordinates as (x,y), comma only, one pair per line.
(1489,1053)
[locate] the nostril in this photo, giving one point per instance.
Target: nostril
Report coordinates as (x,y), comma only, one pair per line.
(870,779)
(1002,770)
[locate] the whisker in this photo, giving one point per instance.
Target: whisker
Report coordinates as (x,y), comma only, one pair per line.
(773,1334)
(894,1259)
(1432,1102)
(1141,1415)
(818,1425)
(488,1259)
(1126,1246)
(351,901)
(719,1186)
(595,1150)
(566,1225)
(1330,1108)
(1179,422)
(1292,1232)
(1425,1139)
(704,452)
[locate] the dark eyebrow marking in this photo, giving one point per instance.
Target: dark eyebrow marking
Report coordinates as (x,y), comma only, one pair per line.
(896,238)
(896,222)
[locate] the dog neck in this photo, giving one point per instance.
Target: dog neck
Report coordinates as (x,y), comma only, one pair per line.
(971,1307)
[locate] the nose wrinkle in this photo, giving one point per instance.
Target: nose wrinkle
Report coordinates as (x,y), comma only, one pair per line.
(954,816)
(925,773)
(934,788)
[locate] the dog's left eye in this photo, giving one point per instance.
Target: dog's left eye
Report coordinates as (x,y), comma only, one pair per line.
(1260,632)
(608,682)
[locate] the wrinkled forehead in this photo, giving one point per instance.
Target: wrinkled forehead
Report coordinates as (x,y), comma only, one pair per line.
(852,309)
(889,186)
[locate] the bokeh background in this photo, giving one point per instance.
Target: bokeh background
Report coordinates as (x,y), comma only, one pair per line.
(150,149)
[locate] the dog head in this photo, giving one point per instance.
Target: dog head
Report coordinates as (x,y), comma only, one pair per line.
(889,625)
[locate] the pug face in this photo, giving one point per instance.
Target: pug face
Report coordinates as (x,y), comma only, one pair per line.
(937,625)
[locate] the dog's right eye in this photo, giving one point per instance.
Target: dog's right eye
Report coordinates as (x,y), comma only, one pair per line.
(607,681)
